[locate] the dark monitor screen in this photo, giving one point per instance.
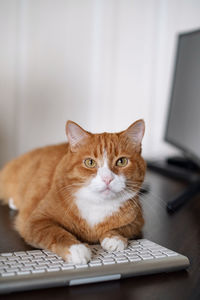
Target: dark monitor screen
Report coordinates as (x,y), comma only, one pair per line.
(183,124)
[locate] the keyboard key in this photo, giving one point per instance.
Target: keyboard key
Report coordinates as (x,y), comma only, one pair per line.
(134,242)
(23,272)
(107,255)
(29,263)
(7,274)
(53,269)
(33,252)
(132,256)
(159,255)
(171,254)
(120,255)
(67,267)
(54,265)
(167,251)
(111,262)
(58,260)
(147,243)
(37,255)
(38,260)
(137,246)
(98,264)
(144,252)
(108,259)
(145,257)
(155,248)
(40,267)
(38,271)
(67,264)
(81,266)
(132,259)
(26,269)
(7,254)
(121,260)
(155,252)
(20,253)
(27,257)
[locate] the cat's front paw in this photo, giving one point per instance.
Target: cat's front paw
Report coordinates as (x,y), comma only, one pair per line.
(78,254)
(114,244)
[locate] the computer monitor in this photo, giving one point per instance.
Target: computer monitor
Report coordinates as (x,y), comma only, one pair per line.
(183,123)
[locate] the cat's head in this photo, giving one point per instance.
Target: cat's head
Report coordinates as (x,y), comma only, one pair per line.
(106,166)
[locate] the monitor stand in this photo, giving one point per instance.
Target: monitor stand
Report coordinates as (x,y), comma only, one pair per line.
(179,168)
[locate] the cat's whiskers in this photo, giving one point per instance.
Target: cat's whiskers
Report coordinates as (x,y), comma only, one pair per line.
(142,196)
(152,195)
(71,186)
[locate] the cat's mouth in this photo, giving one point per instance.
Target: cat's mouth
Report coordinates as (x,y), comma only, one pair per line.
(107,191)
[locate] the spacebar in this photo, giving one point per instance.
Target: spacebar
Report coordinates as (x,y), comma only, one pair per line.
(94,279)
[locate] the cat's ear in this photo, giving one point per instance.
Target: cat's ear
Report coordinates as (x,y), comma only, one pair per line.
(135,132)
(76,135)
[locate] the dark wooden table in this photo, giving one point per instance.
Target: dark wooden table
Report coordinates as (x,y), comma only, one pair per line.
(179,231)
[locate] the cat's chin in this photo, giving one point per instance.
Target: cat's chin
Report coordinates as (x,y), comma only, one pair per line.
(108,194)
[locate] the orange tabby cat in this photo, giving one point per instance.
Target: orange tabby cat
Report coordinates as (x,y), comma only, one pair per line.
(83,191)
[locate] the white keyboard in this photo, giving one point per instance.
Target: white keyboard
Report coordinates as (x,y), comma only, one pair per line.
(39,268)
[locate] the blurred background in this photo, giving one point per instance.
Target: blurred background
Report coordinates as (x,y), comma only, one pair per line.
(100,63)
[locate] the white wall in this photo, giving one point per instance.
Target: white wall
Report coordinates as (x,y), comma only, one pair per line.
(101,63)
(8,103)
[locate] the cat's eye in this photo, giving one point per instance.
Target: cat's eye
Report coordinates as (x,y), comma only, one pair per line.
(122,162)
(90,163)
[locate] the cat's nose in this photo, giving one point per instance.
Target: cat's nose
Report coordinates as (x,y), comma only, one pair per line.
(107,179)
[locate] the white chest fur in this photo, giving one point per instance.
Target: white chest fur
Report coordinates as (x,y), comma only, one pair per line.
(95,209)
